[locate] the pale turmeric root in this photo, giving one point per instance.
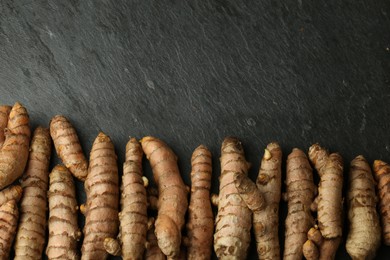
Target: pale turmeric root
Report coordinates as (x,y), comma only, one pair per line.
(14,152)
(200,226)
(153,251)
(4,114)
(133,217)
(30,237)
(11,193)
(329,202)
(172,200)
(67,145)
(382,176)
(8,223)
(63,229)
(234,218)
(317,247)
(299,195)
(364,235)
(101,208)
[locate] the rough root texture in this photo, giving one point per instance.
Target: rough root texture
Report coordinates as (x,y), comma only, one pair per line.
(200,226)
(299,195)
(11,193)
(382,176)
(4,114)
(153,251)
(317,247)
(8,223)
(101,188)
(172,200)
(31,235)
(63,229)
(67,145)
(234,218)
(14,152)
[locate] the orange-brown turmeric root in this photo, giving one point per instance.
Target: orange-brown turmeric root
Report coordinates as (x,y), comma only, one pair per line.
(382,176)
(67,145)
(8,223)
(11,193)
(14,152)
(172,200)
(153,251)
(4,114)
(234,218)
(63,229)
(317,247)
(200,225)
(31,234)
(101,188)
(364,235)
(299,195)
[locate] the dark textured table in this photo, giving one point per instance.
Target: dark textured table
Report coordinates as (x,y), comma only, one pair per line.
(192,72)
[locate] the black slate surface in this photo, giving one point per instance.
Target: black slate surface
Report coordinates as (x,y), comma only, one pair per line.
(192,72)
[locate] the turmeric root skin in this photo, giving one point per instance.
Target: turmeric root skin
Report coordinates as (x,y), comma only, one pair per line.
(4,115)
(67,145)
(11,193)
(8,223)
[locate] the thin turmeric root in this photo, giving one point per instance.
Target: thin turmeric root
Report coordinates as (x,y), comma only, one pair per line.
(8,222)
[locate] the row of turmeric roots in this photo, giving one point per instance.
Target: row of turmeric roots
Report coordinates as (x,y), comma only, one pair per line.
(242,204)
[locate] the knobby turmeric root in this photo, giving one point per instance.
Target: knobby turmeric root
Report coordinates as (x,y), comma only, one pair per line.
(63,229)
(8,223)
(234,218)
(67,145)
(153,251)
(200,226)
(172,200)
(382,176)
(299,195)
(14,152)
(4,114)
(364,235)
(30,237)
(317,247)
(101,208)
(11,193)
(133,217)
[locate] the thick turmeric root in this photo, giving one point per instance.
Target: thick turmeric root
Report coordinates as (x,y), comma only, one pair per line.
(234,218)
(299,195)
(200,226)
(382,176)
(14,152)
(11,193)
(4,114)
(101,187)
(30,237)
(172,201)
(153,251)
(364,235)
(63,229)
(317,247)
(67,145)
(8,223)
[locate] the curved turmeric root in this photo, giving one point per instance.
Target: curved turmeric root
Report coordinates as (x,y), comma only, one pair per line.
(8,222)
(4,114)
(67,145)
(299,195)
(30,237)
(200,226)
(14,152)
(382,176)
(101,187)
(11,193)
(63,229)
(234,218)
(172,200)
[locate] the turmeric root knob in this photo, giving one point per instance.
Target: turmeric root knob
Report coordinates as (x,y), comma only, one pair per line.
(11,193)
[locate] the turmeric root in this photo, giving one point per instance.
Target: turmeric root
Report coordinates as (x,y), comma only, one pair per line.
(364,235)
(172,201)
(299,195)
(329,202)
(4,114)
(11,193)
(234,218)
(200,226)
(63,230)
(67,145)
(8,223)
(382,176)
(14,152)
(133,217)
(101,187)
(317,247)
(30,237)
(153,251)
